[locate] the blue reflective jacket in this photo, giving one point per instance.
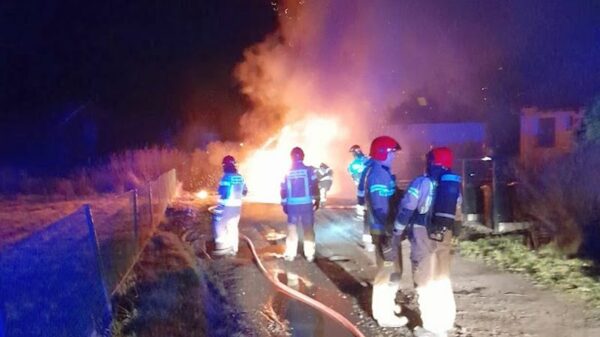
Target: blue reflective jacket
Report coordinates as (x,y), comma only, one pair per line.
(300,185)
(380,187)
(360,189)
(356,167)
(231,190)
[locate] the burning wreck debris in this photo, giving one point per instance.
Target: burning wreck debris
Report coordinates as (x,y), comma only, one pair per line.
(266,166)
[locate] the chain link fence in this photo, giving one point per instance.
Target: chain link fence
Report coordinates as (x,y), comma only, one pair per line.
(58,282)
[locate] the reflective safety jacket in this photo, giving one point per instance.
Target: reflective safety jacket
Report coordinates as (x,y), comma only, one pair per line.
(299,187)
(416,203)
(231,190)
(356,167)
(360,189)
(325,175)
(418,200)
(380,187)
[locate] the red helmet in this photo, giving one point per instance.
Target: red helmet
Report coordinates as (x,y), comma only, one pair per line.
(381,146)
(228,161)
(440,156)
(297,154)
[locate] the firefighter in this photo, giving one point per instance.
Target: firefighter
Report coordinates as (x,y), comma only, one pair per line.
(380,187)
(357,165)
(300,199)
(357,169)
(325,178)
(367,239)
(226,215)
(427,215)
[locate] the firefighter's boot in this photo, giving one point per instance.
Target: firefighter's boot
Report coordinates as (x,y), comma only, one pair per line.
(421,332)
(222,247)
(309,250)
(233,235)
(384,306)
(291,243)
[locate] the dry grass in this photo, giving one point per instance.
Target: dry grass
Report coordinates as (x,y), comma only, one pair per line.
(121,172)
(164,298)
(22,216)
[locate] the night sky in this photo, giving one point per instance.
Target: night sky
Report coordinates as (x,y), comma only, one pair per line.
(133,67)
(122,74)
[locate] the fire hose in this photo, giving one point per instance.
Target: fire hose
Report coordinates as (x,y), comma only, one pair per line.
(343,321)
(300,296)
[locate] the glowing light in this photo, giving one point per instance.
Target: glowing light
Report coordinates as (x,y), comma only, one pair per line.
(265,168)
(202,194)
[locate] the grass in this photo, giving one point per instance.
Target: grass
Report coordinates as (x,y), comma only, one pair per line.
(162,297)
(546,267)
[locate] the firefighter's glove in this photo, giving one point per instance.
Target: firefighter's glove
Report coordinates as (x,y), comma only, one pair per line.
(285,208)
(316,204)
(436,233)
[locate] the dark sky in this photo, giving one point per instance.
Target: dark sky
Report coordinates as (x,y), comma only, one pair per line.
(129,72)
(135,67)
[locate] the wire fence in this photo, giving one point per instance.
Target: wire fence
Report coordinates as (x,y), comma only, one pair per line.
(58,282)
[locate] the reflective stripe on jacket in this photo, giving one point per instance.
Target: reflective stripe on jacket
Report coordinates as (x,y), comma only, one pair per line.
(357,167)
(360,190)
(231,190)
(415,203)
(324,174)
(380,186)
(299,186)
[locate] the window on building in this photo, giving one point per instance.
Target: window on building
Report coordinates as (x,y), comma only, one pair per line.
(546,132)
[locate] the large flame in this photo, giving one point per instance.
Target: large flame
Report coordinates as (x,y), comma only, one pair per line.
(265,168)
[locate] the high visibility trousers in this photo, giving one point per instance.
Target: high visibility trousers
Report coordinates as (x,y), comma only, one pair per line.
(431,274)
(297,223)
(225,229)
(386,283)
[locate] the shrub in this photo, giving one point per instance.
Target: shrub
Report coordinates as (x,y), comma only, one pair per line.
(590,132)
(564,198)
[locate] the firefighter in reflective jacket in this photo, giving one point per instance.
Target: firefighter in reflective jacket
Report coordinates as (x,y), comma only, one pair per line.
(299,199)
(325,178)
(380,187)
(357,170)
(226,215)
(367,239)
(427,215)
(357,165)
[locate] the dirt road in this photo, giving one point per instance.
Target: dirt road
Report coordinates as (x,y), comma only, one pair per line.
(489,302)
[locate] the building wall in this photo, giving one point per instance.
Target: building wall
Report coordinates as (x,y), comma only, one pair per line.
(536,145)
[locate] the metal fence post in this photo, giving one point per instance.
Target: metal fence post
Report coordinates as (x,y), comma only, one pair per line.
(151,206)
(2,334)
(135,219)
(94,243)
